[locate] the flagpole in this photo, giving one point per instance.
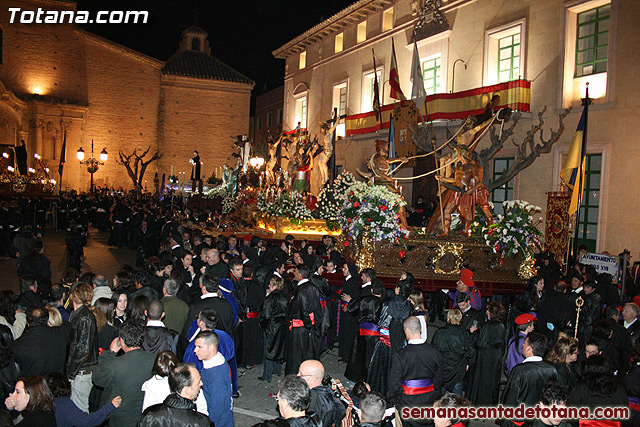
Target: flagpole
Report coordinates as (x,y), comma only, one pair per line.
(586,101)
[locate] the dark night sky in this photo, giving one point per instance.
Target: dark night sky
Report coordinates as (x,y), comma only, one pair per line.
(241,33)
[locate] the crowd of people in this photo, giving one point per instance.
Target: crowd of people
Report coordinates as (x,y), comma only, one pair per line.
(167,341)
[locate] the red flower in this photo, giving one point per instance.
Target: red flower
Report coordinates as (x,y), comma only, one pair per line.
(501,262)
(349,238)
(369,220)
(383,208)
(497,247)
(351,193)
(401,254)
(349,220)
(356,205)
(346,244)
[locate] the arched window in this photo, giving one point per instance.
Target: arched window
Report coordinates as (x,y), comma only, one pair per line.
(195,44)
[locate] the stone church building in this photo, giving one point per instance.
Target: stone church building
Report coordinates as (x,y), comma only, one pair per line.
(58,77)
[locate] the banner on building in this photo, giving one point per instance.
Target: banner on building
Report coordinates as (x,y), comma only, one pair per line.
(450,106)
(557,225)
(602,263)
(405,116)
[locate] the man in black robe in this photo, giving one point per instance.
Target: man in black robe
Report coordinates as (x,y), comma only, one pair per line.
(195,170)
(252,336)
(555,312)
(416,376)
(527,379)
(470,316)
(302,313)
(367,310)
(348,327)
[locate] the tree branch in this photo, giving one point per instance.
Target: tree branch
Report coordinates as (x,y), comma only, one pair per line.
(524,160)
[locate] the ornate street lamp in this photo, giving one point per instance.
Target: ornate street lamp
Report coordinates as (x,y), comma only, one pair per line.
(92,163)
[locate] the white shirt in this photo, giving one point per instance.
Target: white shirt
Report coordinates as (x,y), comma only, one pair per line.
(578,290)
(216,360)
(174,246)
(532,359)
(416,341)
(302,281)
(211,295)
(156,323)
(366,284)
(347,278)
(156,389)
(626,325)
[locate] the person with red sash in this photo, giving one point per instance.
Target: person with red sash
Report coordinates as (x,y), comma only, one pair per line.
(252,347)
(392,314)
(416,374)
(367,310)
(302,312)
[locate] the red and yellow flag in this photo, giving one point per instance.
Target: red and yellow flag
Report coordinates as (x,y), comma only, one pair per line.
(394,80)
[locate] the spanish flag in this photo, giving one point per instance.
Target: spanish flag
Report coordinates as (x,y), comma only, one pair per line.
(574,166)
(394,79)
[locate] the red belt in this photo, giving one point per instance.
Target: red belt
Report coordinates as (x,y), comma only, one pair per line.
(252,315)
(297,323)
(323,302)
(414,387)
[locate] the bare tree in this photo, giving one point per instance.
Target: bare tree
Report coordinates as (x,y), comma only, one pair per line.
(528,150)
(136,165)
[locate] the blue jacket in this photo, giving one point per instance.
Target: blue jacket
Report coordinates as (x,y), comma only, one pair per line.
(226,347)
(216,385)
(69,415)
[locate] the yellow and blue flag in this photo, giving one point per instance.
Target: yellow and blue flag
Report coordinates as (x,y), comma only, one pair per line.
(574,166)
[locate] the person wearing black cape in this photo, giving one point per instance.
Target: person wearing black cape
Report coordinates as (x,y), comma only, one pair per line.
(527,379)
(303,311)
(252,338)
(195,170)
(489,343)
(348,323)
(415,378)
(392,314)
(367,310)
(273,321)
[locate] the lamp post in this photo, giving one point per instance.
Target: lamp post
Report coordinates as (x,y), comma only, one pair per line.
(92,163)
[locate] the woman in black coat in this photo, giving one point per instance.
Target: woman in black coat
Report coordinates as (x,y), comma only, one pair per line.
(273,321)
(453,343)
(489,345)
(631,383)
(348,322)
(598,388)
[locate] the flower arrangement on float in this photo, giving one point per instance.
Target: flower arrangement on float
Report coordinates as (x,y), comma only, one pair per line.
(332,198)
(291,206)
(514,233)
(224,191)
(374,208)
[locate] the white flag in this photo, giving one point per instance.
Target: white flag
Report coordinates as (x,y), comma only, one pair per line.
(418,93)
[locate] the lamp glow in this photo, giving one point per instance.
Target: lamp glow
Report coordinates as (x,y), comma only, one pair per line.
(103,155)
(80,154)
